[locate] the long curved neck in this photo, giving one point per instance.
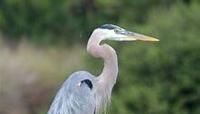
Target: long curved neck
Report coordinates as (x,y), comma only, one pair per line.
(109,74)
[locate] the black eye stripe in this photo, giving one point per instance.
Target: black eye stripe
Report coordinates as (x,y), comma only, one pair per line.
(109,26)
(123,32)
(88,82)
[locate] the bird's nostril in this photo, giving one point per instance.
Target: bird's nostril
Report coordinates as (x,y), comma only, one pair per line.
(88,82)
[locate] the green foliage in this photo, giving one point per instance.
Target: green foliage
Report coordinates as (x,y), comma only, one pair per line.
(161,77)
(64,21)
(165,74)
(154,78)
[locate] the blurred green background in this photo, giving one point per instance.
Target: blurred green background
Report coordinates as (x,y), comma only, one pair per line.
(43,41)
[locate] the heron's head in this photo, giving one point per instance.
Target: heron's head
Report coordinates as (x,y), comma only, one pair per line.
(113,32)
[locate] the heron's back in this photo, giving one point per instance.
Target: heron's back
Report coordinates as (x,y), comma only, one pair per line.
(72,99)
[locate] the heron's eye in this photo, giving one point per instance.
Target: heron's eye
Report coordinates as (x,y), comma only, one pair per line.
(116,30)
(119,30)
(88,82)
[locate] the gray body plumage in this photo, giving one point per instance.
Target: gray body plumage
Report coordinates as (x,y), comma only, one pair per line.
(83,93)
(73,98)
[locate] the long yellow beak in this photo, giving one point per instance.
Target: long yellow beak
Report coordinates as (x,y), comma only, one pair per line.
(136,36)
(131,36)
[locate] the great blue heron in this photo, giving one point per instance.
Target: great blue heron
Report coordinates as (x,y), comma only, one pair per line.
(83,93)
